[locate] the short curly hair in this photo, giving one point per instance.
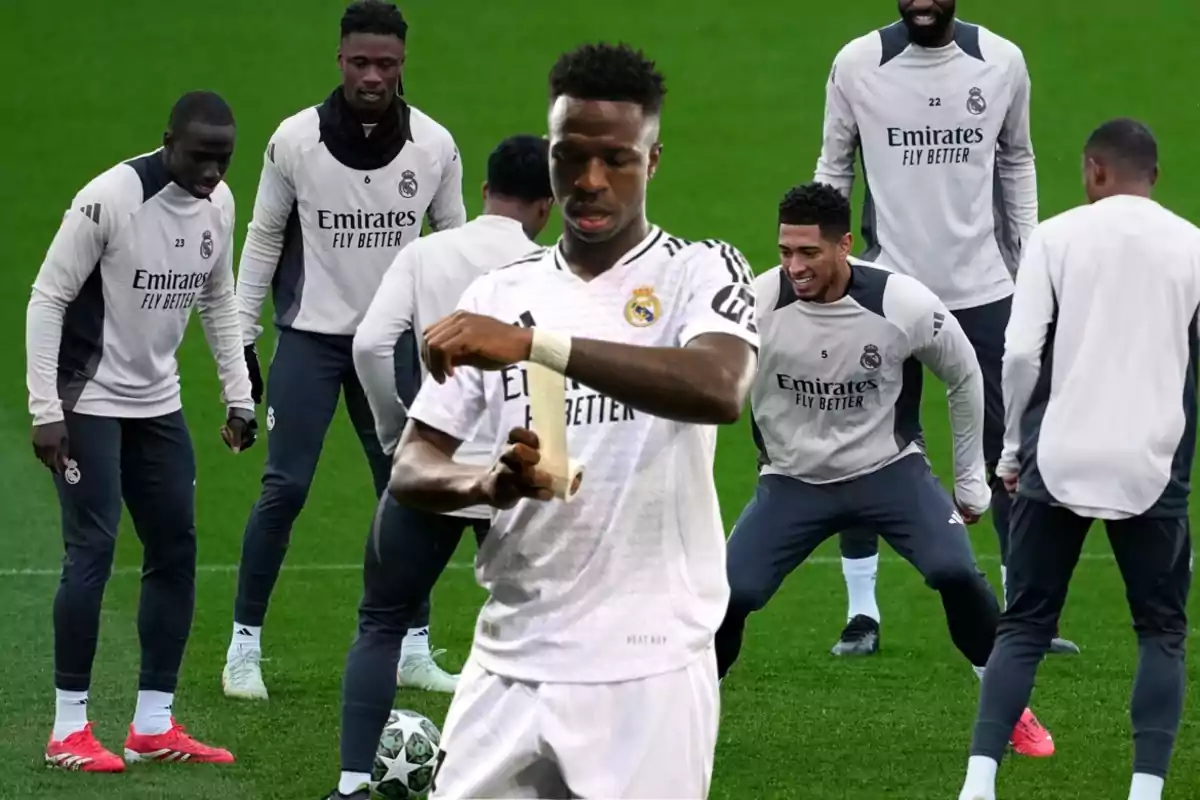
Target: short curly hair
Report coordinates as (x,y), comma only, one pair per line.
(613,72)
(519,168)
(816,204)
(374,16)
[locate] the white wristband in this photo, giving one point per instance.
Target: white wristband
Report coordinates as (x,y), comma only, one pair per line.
(551,350)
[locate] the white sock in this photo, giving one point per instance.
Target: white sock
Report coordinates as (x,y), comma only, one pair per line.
(245,637)
(860,586)
(1145,787)
(1003,587)
(981,778)
(153,714)
(70,713)
(416,643)
(351,782)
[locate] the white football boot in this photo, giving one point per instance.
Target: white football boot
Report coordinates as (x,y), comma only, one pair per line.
(420,671)
(242,677)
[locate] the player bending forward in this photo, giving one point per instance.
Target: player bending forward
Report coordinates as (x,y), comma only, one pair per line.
(1100,390)
(839,338)
(140,245)
(595,643)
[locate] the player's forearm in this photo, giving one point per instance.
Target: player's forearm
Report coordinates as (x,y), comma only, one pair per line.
(965,401)
(700,385)
(838,175)
(219,318)
(1019,375)
(1018,187)
(43,337)
(426,477)
(375,364)
(253,283)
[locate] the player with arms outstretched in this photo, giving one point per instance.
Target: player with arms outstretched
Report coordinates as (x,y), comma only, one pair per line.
(345,186)
(595,643)
(840,340)
(939,110)
(140,246)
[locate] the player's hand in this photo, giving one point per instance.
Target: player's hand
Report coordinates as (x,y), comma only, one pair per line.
(1008,477)
(515,475)
(51,445)
(473,340)
(256,382)
(240,431)
(968,517)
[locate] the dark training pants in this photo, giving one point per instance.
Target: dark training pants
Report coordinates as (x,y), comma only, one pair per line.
(1154,556)
(787,519)
(984,326)
(406,553)
(308,374)
(149,464)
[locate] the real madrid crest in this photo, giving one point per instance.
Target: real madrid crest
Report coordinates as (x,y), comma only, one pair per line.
(644,308)
(206,245)
(976,105)
(871,359)
(408,184)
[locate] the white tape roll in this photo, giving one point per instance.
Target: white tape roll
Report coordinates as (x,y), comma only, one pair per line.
(548,409)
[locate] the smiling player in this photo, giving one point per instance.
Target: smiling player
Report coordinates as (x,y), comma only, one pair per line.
(939,110)
(840,340)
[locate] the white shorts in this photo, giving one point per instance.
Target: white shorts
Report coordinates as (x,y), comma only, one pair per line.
(647,738)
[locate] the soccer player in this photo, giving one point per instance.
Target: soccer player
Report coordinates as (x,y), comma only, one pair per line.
(140,246)
(939,110)
(408,548)
(595,643)
(840,340)
(345,185)
(1100,393)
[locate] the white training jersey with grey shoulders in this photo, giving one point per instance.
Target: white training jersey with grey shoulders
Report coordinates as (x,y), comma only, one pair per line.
(335,205)
(1100,361)
(830,403)
(133,255)
(628,580)
(423,285)
(947,158)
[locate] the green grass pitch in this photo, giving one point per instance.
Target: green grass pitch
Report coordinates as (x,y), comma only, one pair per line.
(91,84)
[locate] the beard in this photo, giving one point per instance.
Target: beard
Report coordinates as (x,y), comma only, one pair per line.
(928,35)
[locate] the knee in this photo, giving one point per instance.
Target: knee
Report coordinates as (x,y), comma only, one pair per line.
(746,597)
(954,576)
(858,544)
(89,565)
(284,491)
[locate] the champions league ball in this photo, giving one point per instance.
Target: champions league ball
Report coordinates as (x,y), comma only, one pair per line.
(405,759)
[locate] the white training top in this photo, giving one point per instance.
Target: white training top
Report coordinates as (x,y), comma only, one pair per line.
(628,580)
(325,232)
(111,302)
(946,152)
(829,401)
(1100,361)
(422,286)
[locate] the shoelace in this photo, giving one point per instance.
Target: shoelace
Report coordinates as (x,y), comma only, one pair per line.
(243,665)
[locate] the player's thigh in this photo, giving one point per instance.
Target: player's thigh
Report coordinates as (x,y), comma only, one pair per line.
(406,553)
(490,744)
(648,738)
(158,478)
(1155,559)
(984,327)
(1043,548)
(303,387)
(779,528)
(916,516)
(89,488)
(363,420)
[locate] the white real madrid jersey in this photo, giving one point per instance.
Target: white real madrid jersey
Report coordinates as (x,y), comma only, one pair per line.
(628,579)
(324,233)
(947,156)
(134,254)
(1100,361)
(829,401)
